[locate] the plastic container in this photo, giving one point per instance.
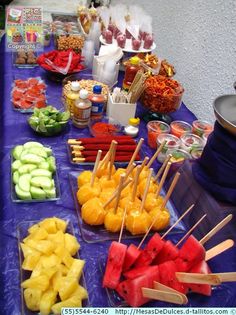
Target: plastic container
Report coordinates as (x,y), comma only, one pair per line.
(82,110)
(179,128)
(105,126)
(72,96)
(132,129)
(98,102)
(178,158)
(46,38)
(132,67)
(201,126)
(172,143)
(196,153)
(155,128)
(205,136)
(190,142)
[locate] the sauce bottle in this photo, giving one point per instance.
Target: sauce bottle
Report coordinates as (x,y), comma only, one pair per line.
(131,69)
(82,110)
(72,96)
(98,102)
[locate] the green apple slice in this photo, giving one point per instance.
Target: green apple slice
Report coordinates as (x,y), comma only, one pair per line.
(15,177)
(24,182)
(41,172)
(38,151)
(31,144)
(37,193)
(50,193)
(52,163)
(32,159)
(16,165)
(41,181)
(44,165)
(21,194)
(26,168)
(16,152)
(48,151)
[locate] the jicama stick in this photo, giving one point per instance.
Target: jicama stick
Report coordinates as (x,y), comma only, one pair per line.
(190,231)
(155,155)
(94,153)
(198,278)
(216,229)
(162,167)
(105,147)
(96,140)
(162,296)
(95,167)
(218,249)
(162,287)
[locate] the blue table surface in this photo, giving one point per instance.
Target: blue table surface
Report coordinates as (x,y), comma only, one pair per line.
(15,130)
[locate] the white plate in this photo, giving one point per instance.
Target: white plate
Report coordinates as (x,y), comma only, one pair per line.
(128,46)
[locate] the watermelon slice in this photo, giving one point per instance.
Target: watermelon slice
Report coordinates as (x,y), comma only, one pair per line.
(115,260)
(140,271)
(204,289)
(153,247)
(168,252)
(131,256)
(167,272)
(190,254)
(131,289)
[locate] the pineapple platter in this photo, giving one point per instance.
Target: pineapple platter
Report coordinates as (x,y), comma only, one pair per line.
(52,275)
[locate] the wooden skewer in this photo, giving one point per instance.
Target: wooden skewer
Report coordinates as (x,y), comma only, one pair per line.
(162,296)
(136,152)
(190,231)
(130,170)
(121,183)
(144,197)
(95,167)
(107,157)
(155,155)
(134,192)
(122,226)
(144,162)
(169,192)
(112,158)
(226,276)
(216,229)
(176,222)
(163,178)
(115,193)
(162,287)
(162,167)
(218,249)
(198,278)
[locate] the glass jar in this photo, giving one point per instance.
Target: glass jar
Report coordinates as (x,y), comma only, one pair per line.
(172,143)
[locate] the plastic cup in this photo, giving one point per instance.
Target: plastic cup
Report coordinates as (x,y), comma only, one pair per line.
(201,126)
(190,142)
(178,128)
(172,143)
(155,128)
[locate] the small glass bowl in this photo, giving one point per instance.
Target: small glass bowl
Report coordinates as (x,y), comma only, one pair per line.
(111,127)
(178,128)
(201,126)
(155,128)
(172,143)
(191,141)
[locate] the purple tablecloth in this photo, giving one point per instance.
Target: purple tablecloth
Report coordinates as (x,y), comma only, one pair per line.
(15,130)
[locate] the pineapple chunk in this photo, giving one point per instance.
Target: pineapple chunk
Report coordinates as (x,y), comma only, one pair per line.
(40,282)
(50,261)
(71,302)
(61,224)
(39,234)
(81,293)
(69,286)
(67,259)
(49,225)
(33,228)
(27,250)
(37,270)
(31,261)
(57,238)
(60,251)
(47,300)
(76,269)
(57,280)
(71,244)
(43,246)
(49,272)
(32,298)
(64,270)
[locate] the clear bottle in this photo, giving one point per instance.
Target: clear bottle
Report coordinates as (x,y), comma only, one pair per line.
(132,67)
(82,110)
(98,102)
(72,96)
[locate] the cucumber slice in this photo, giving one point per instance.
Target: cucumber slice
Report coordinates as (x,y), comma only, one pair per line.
(50,193)
(16,165)
(26,168)
(15,177)
(32,159)
(37,193)
(41,172)
(24,182)
(41,181)
(23,195)
(16,152)
(52,163)
(38,151)
(44,165)
(32,144)
(48,151)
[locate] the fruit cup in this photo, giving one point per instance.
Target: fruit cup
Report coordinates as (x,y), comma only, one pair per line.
(178,128)
(190,142)
(155,128)
(196,153)
(178,158)
(201,126)
(205,136)
(172,143)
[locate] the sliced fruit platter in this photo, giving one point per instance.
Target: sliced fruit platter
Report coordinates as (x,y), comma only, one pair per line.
(102,196)
(28,94)
(163,271)
(51,271)
(34,176)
